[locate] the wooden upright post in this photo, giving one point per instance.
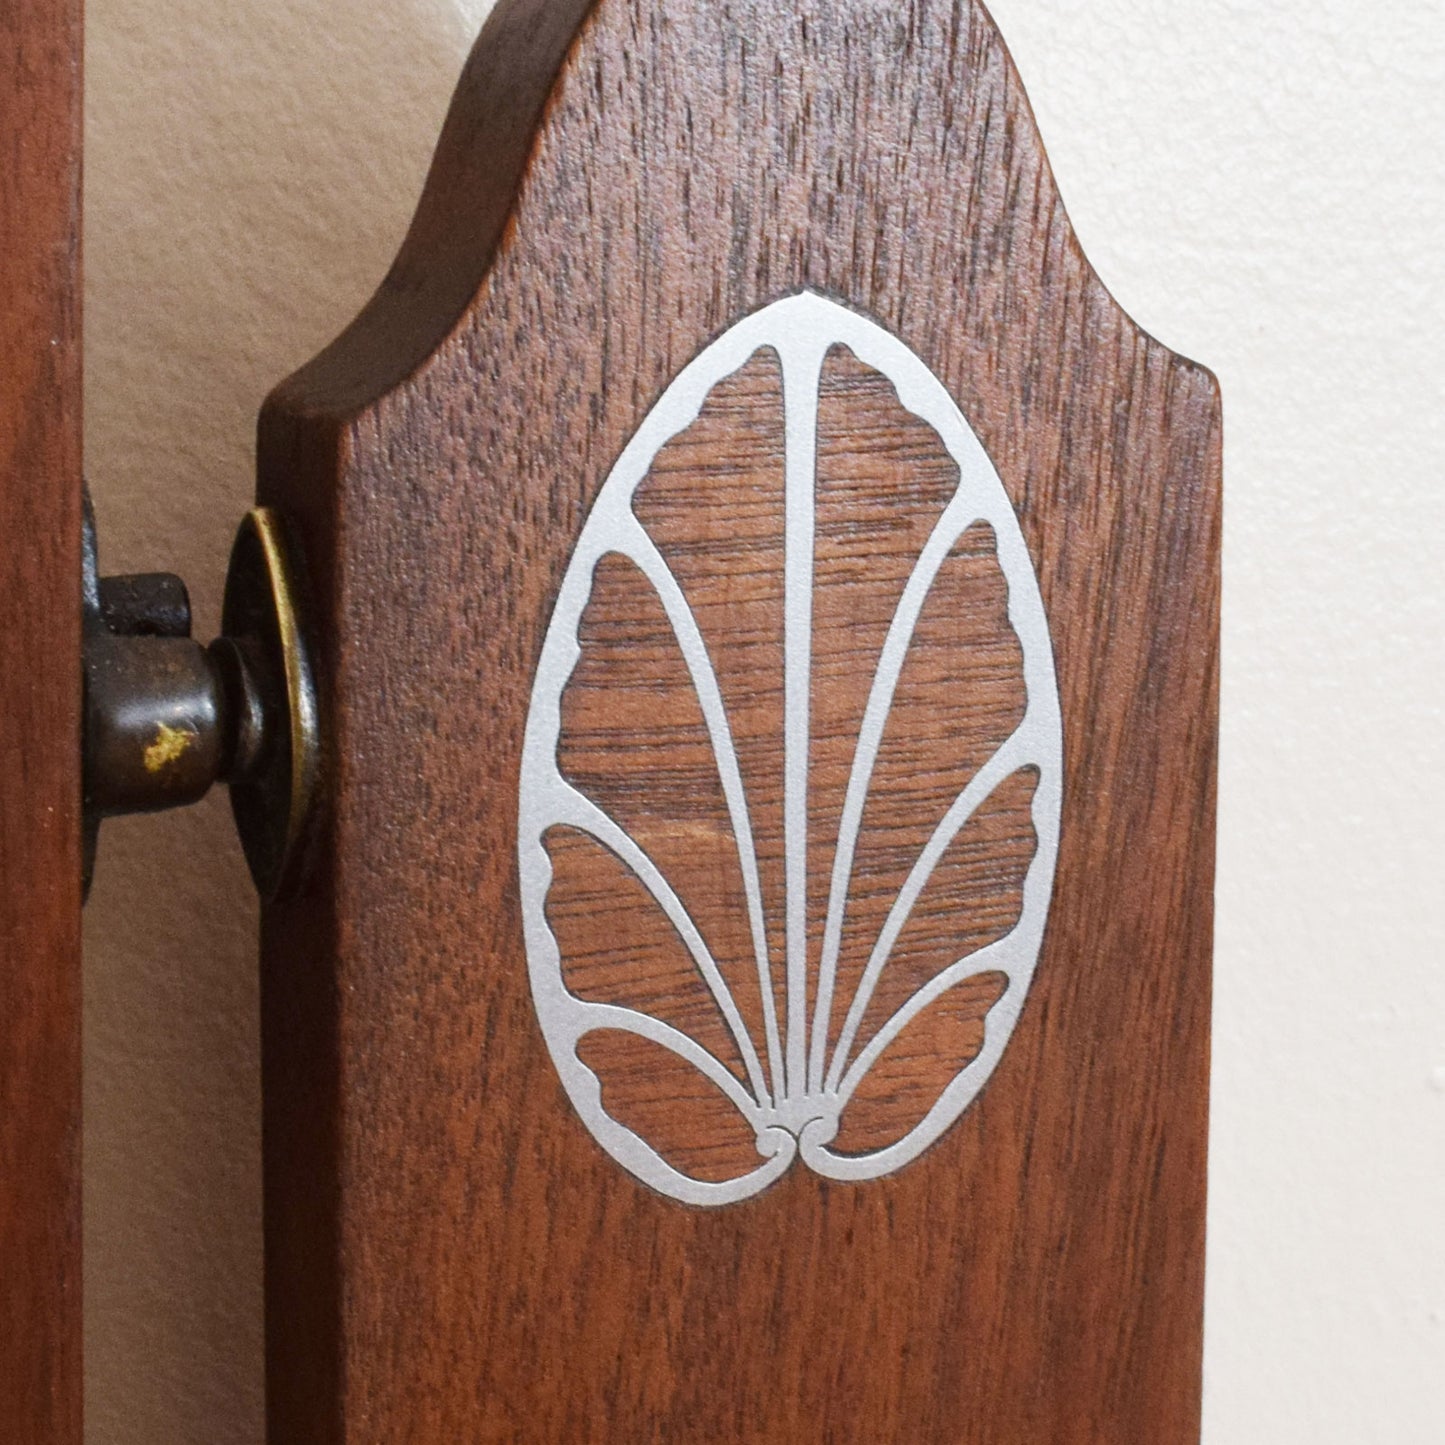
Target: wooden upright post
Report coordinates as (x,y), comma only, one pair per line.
(40,489)
(755,982)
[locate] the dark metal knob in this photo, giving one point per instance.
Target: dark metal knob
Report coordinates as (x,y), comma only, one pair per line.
(165,717)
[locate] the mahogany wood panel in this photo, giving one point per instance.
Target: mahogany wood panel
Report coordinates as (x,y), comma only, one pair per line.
(450,1254)
(40,1323)
(634,740)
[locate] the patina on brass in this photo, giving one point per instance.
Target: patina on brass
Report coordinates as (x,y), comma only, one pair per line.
(263,624)
(166,717)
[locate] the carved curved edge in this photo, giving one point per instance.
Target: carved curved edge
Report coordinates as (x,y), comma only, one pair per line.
(478,165)
(472,185)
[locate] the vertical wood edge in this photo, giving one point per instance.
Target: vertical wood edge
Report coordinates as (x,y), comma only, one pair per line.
(40,485)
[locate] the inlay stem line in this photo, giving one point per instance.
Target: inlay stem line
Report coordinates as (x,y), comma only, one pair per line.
(957,517)
(1013,754)
(802,362)
(641,549)
(997,957)
(574,809)
(644,1026)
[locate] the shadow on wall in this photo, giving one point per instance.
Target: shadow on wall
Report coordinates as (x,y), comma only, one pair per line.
(250,170)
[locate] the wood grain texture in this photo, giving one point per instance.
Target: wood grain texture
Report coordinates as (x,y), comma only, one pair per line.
(449,1254)
(635,742)
(40,418)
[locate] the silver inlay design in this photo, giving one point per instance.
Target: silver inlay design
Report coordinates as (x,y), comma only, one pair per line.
(796,1090)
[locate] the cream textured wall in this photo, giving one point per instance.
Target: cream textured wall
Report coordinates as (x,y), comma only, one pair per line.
(1259,181)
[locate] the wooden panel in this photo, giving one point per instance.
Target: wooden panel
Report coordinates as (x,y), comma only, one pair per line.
(451,1252)
(40,1379)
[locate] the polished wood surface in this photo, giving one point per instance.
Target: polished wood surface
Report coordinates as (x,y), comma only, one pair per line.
(450,1255)
(40,1325)
(635,742)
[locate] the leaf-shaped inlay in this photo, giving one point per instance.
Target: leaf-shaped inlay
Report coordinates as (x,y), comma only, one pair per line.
(791,778)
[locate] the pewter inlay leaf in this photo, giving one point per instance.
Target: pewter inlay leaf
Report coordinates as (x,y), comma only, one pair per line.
(800,1070)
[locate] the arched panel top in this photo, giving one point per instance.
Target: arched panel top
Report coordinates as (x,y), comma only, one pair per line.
(476,1223)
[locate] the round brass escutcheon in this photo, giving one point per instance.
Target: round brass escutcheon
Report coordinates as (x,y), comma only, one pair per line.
(274,782)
